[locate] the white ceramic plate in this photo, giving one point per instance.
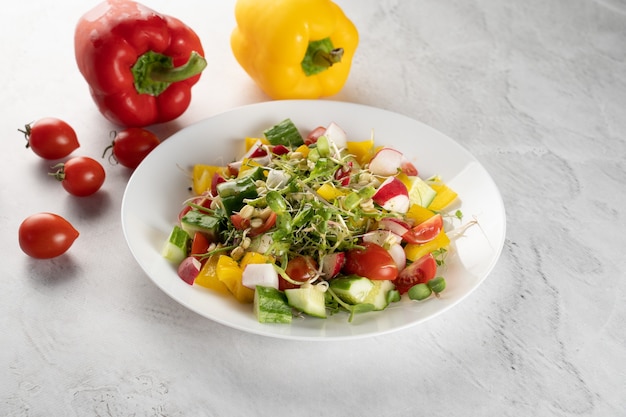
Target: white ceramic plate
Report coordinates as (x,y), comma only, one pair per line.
(158,187)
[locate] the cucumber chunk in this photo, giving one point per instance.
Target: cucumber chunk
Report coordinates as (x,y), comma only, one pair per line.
(379,295)
(284,133)
(309,300)
(196,221)
(421,193)
(352,289)
(270,305)
(177,245)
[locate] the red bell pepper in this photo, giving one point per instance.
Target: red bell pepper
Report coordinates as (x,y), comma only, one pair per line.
(140,65)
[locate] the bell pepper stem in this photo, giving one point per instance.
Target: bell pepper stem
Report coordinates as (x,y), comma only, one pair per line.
(327,59)
(154,72)
(194,66)
(320,55)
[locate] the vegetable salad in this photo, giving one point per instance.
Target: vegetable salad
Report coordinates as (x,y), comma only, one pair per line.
(313,224)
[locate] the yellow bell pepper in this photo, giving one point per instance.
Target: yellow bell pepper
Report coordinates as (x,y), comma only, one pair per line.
(329,192)
(362,151)
(415,251)
(202,176)
(445,196)
(294,49)
(230,273)
(419,214)
(208,276)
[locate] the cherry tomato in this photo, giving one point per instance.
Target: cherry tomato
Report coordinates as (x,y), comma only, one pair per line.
(241,223)
(132,145)
(419,272)
(50,138)
(425,231)
(373,262)
(46,235)
(199,246)
(299,268)
(80,176)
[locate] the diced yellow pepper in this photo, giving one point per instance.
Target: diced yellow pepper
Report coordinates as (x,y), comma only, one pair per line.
(329,192)
(208,276)
(251,141)
(405,179)
(247,164)
(202,177)
(445,196)
(229,272)
(415,251)
(303,149)
(253,258)
(362,150)
(419,214)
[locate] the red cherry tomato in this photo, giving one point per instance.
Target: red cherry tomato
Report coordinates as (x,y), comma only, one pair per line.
(46,235)
(241,223)
(80,176)
(132,145)
(425,231)
(373,262)
(50,138)
(419,272)
(301,269)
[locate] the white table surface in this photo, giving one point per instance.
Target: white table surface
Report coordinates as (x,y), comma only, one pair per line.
(535,90)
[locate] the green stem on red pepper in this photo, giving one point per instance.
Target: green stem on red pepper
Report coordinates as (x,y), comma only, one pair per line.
(154,72)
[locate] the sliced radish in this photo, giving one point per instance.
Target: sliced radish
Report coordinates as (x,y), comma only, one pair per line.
(332,264)
(384,238)
(280,150)
(336,135)
(259,274)
(388,161)
(392,195)
(394,225)
(399,256)
(189,269)
(257,152)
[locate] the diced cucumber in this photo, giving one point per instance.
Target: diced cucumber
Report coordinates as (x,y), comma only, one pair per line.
(196,221)
(420,192)
(284,133)
(176,247)
(378,296)
(270,305)
(351,289)
(309,300)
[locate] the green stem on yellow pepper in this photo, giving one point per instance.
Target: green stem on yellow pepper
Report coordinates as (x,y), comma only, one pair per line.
(320,55)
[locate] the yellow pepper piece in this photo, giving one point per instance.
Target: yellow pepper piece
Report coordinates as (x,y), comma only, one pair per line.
(253,258)
(208,276)
(251,141)
(406,180)
(415,251)
(419,214)
(202,176)
(274,38)
(229,272)
(329,192)
(445,196)
(304,150)
(363,151)
(247,164)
